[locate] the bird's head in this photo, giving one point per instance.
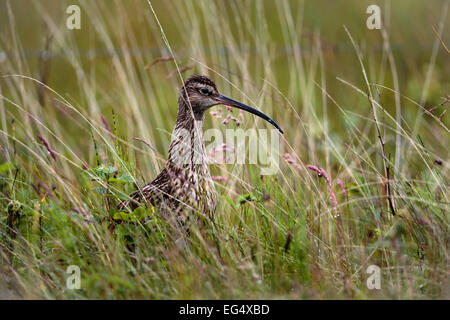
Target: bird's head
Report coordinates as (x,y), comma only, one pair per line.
(201,93)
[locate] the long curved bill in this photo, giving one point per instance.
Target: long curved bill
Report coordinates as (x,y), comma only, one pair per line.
(233,103)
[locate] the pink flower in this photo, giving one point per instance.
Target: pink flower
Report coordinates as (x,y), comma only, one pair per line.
(325,176)
(227,119)
(341,186)
(106,124)
(314,168)
(290,158)
(217,114)
(47,146)
(220,149)
(4,153)
(219,178)
(322,173)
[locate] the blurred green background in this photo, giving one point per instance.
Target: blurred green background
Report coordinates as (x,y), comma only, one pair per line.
(298,47)
(287,58)
(410,25)
(284,30)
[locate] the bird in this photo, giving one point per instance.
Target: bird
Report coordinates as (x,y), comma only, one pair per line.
(185,185)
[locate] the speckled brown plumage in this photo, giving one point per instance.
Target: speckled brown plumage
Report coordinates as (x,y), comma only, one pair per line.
(185,181)
(185,184)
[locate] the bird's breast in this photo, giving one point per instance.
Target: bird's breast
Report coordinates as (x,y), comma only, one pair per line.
(188,166)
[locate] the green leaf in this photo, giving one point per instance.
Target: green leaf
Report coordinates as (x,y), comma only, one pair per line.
(101,190)
(119,195)
(245,198)
(105,169)
(137,215)
(6,166)
(122,179)
(123,216)
(101,172)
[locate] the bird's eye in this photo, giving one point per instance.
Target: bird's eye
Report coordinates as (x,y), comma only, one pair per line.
(204,91)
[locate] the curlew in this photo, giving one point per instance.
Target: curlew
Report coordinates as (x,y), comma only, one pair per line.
(185,181)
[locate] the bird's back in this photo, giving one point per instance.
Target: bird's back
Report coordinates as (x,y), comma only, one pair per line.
(177,191)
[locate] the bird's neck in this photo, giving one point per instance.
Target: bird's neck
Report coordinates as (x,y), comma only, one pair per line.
(187,160)
(187,148)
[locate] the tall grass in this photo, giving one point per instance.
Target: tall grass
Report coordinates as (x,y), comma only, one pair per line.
(69,120)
